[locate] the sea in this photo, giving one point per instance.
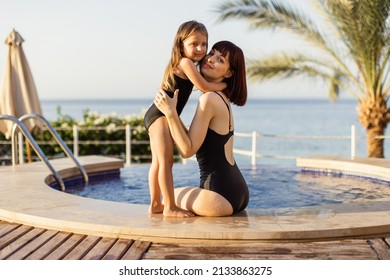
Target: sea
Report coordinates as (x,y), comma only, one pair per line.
(285,128)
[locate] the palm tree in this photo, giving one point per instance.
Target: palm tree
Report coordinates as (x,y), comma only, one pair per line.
(352,55)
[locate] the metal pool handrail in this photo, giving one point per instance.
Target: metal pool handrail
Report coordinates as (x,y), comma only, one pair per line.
(37,149)
(58,138)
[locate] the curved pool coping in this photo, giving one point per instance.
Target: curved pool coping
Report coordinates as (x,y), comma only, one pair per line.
(26,198)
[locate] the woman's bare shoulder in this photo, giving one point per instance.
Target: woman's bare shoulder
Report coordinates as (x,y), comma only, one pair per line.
(209,101)
(209,96)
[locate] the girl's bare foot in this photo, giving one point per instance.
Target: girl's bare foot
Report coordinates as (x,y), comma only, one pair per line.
(156,208)
(177,213)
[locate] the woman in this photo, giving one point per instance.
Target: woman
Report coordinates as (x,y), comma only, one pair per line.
(223,190)
(189,47)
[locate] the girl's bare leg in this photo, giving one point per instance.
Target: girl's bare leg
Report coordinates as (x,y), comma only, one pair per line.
(156,205)
(162,147)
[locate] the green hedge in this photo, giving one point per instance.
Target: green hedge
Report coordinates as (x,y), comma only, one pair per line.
(112,130)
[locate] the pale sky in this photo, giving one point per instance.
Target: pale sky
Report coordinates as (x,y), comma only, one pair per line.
(82,49)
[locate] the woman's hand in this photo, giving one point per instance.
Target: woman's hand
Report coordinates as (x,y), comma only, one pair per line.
(164,103)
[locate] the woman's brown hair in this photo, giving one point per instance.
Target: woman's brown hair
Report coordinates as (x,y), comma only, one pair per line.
(236,89)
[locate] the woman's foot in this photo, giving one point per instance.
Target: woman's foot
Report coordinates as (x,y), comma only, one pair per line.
(177,213)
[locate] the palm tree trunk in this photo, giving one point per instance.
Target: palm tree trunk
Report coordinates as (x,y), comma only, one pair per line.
(375,146)
(374,116)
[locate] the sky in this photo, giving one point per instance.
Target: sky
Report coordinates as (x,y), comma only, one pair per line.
(117,49)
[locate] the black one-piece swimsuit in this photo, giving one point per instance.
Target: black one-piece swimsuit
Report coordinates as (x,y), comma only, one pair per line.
(185,88)
(217,174)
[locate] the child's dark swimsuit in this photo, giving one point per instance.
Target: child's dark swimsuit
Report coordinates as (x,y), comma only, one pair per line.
(217,174)
(185,88)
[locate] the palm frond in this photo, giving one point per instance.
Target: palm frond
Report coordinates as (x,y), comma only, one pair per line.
(386,80)
(363,26)
(274,15)
(287,65)
(270,15)
(334,88)
(358,55)
(384,70)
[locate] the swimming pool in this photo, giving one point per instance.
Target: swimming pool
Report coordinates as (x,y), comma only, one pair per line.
(26,198)
(270,186)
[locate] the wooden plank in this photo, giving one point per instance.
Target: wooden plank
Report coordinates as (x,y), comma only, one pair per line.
(292,256)
(33,245)
(18,243)
(8,228)
(118,249)
(2,224)
(312,256)
(82,248)
(100,249)
(61,251)
(47,248)
(381,248)
(13,235)
(264,248)
(387,240)
(313,250)
(136,250)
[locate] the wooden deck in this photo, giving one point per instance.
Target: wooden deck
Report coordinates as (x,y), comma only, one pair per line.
(21,242)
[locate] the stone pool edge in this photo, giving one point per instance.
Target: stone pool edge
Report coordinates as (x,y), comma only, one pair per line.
(25,198)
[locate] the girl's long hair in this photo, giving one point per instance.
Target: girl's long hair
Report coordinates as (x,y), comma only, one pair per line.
(185,30)
(236,89)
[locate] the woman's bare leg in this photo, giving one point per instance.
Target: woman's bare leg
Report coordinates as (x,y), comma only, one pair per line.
(162,147)
(203,202)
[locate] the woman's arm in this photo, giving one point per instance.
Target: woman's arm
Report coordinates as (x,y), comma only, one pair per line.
(197,79)
(188,142)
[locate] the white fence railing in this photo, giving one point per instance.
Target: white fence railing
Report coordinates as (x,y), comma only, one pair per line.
(253,152)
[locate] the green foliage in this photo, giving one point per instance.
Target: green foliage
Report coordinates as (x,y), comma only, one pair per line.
(347,45)
(5,150)
(92,128)
(96,127)
(347,42)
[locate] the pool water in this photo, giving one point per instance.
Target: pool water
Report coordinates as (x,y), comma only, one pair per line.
(270,186)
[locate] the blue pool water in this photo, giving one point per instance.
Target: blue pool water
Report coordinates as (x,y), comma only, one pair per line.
(270,186)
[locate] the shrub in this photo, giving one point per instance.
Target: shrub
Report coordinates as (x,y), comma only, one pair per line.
(110,127)
(97,127)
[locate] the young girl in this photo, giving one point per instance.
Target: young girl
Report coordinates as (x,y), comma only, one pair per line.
(189,47)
